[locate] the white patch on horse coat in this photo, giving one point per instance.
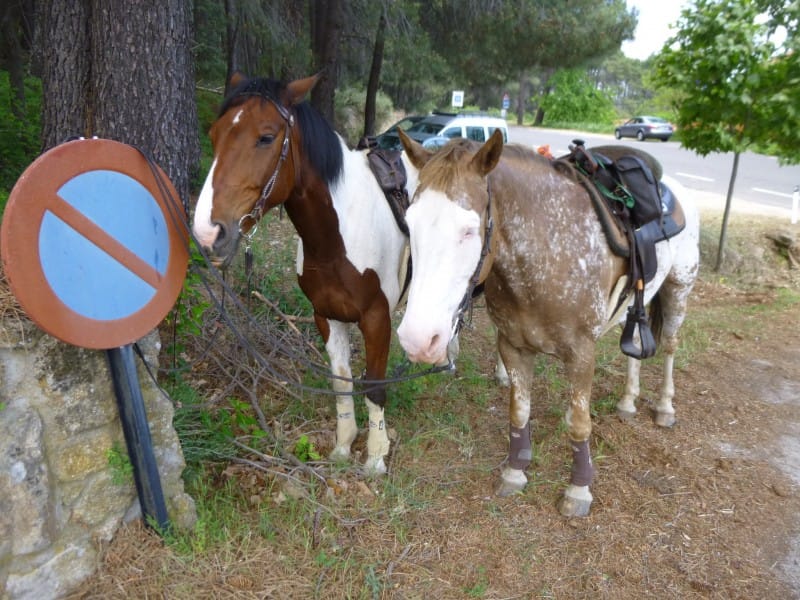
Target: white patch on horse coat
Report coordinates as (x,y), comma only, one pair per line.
(238,117)
(370,233)
(204,230)
(445,249)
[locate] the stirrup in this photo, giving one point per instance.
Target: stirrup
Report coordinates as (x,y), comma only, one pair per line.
(647,342)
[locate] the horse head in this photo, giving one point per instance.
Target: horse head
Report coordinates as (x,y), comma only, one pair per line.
(448,242)
(255,161)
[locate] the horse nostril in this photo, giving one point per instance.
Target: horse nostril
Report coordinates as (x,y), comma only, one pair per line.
(434,342)
(222,234)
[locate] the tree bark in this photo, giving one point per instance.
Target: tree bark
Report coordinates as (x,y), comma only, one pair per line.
(374,77)
(122,70)
(723,233)
(231,39)
(64,43)
(326,29)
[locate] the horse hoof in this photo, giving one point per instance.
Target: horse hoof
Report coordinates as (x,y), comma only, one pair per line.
(511,482)
(626,415)
(340,454)
(375,467)
(576,501)
(665,419)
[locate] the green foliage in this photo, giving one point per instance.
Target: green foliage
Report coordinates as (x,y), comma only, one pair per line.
(19,137)
(737,88)
(120,464)
(304,449)
(349,109)
(575,99)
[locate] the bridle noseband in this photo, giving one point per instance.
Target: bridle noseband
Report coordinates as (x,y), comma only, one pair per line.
(258,208)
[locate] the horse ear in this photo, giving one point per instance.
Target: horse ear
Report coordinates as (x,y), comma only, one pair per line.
(299,88)
(414,150)
(487,157)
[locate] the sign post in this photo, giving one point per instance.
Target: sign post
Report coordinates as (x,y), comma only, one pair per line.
(95,248)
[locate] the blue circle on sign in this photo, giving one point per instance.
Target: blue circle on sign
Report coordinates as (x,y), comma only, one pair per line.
(86,278)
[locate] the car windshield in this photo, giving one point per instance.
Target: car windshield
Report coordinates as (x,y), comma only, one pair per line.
(426,127)
(657,120)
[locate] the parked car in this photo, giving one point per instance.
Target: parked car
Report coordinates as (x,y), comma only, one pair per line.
(438,128)
(645,127)
(389,139)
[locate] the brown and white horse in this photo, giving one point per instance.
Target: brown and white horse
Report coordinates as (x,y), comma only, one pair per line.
(549,279)
(272,147)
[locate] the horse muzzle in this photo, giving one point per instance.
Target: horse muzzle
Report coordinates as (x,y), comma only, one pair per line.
(424,347)
(219,243)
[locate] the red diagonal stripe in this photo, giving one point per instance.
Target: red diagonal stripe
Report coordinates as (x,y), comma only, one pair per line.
(88,229)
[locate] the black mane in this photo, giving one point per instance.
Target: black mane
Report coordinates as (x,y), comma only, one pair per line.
(320,142)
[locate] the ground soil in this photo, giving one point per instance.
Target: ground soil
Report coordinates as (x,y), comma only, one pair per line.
(707,509)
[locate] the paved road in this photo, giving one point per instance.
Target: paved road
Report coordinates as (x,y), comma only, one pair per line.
(760,180)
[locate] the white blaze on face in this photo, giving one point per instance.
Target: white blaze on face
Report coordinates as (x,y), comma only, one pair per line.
(204,230)
(445,249)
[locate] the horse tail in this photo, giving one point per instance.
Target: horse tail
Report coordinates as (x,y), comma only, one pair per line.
(656,317)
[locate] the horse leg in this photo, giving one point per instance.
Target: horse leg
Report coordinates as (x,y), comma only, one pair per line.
(376,327)
(673,296)
(337,344)
(577,498)
(626,407)
(500,372)
(513,478)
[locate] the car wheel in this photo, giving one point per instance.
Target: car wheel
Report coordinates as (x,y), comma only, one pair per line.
(665,139)
(618,134)
(640,135)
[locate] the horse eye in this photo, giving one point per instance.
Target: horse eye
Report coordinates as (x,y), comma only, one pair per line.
(265,140)
(469,232)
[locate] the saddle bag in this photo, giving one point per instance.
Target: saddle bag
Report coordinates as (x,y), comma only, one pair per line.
(387,166)
(637,177)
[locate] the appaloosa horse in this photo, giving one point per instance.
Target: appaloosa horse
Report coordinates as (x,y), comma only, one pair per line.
(272,147)
(549,279)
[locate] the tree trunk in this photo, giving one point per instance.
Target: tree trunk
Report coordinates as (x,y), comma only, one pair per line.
(231,36)
(63,34)
(326,28)
(11,54)
(522,98)
(122,70)
(374,77)
(723,233)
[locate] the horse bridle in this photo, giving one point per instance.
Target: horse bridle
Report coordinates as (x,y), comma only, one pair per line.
(258,208)
(465,306)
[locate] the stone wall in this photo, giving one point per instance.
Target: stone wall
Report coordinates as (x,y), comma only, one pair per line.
(60,495)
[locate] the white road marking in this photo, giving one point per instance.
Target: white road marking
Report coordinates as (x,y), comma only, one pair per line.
(701,178)
(771,192)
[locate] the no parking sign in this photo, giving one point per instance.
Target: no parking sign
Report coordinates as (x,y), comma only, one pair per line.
(95,248)
(91,244)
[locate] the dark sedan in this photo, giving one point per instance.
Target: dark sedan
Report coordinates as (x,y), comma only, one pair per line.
(643,128)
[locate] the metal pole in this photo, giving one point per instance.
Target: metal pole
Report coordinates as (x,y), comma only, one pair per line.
(137,435)
(795,203)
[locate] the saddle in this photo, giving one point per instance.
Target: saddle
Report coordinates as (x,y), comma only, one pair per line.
(636,211)
(390,173)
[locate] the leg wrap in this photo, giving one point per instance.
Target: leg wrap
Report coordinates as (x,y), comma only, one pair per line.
(378,396)
(582,468)
(519,447)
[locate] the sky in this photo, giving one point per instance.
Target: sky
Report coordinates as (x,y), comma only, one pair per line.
(655,18)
